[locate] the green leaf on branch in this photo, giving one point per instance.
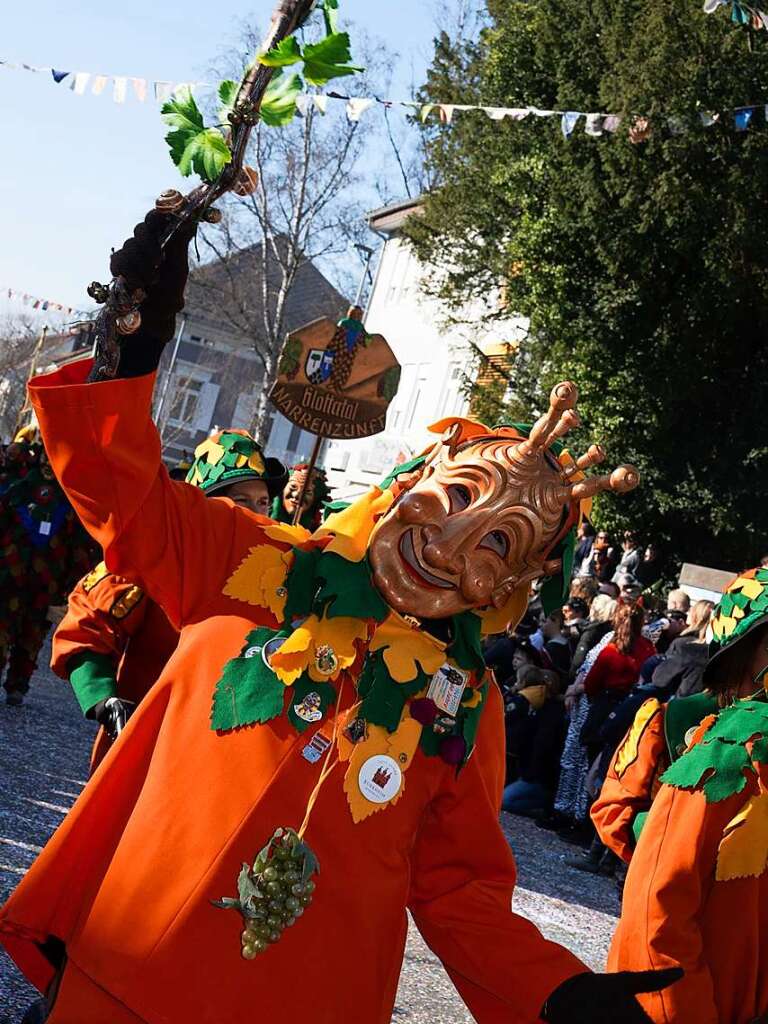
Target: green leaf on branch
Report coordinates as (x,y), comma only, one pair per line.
(278,106)
(330,14)
(193,146)
(285,53)
(328,59)
(227,94)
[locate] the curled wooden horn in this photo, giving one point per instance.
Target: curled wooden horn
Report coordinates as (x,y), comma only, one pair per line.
(621,480)
(451,438)
(552,424)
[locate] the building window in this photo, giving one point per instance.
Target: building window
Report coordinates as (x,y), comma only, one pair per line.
(186,395)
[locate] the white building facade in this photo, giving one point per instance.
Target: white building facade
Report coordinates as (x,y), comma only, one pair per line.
(435,360)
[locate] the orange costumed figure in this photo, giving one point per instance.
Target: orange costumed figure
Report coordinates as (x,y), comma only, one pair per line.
(114,641)
(696,894)
(327,705)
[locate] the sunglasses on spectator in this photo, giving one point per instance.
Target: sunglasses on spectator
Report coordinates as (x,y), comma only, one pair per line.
(678,616)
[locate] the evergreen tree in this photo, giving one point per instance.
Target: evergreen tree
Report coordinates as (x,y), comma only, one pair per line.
(643,266)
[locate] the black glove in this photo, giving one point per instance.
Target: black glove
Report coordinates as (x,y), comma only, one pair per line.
(112,714)
(605,998)
(162,275)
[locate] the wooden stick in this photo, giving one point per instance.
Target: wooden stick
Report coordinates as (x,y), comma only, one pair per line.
(312,460)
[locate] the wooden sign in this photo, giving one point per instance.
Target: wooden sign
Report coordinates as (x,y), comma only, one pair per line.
(336,380)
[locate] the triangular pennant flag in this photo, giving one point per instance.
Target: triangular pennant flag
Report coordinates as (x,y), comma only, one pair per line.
(742,118)
(495,113)
(518,113)
(594,125)
(542,113)
(568,122)
(356,106)
(426,110)
(445,110)
(119,89)
(79,82)
(321,102)
(59,76)
(611,122)
(99,82)
(302,103)
(162,91)
(140,88)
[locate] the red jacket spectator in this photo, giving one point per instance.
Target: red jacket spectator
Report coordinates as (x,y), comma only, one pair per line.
(617,666)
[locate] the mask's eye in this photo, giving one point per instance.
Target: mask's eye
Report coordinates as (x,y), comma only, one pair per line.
(497,542)
(459,497)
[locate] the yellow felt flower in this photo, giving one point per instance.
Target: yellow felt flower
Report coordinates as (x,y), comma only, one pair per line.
(405,646)
(287,534)
(260,578)
(351,528)
(316,646)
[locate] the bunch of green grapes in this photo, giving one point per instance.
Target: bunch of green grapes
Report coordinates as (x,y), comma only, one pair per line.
(275,892)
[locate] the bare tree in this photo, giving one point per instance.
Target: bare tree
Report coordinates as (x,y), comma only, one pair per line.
(19,337)
(308,208)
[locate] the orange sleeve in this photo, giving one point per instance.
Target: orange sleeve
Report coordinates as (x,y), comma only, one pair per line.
(104,611)
(629,783)
(105,451)
(667,884)
(463,877)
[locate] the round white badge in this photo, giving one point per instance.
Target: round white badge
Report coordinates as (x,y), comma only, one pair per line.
(380,779)
(272,645)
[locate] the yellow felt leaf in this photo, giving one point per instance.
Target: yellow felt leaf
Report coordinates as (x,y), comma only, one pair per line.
(259,576)
(287,534)
(404,646)
(375,742)
(295,655)
(213,451)
(749,587)
(351,528)
(723,625)
(743,850)
(496,620)
(474,700)
(404,741)
(738,613)
(630,747)
(256,462)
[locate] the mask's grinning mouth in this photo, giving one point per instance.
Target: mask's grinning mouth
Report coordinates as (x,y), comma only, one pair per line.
(414,566)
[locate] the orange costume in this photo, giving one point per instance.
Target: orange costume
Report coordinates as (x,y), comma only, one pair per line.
(654,740)
(696,893)
(126,882)
(114,641)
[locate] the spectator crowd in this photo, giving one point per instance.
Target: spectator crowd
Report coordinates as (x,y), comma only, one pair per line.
(573,680)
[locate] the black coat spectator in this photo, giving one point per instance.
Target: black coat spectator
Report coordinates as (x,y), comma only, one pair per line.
(682,669)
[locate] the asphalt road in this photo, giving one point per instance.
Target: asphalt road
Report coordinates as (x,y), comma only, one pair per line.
(44,749)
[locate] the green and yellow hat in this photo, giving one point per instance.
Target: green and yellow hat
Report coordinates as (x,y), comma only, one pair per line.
(230,455)
(742,608)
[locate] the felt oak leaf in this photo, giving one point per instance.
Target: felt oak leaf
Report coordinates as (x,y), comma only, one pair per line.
(260,578)
(287,534)
(406,648)
(496,620)
(350,530)
(248,692)
(348,590)
(472,698)
(376,742)
(743,850)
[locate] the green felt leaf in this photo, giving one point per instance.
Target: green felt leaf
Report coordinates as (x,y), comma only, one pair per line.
(278,107)
(328,59)
(302,584)
(471,720)
(285,53)
(465,648)
(717,768)
(301,688)
(248,691)
(760,750)
(384,703)
(740,722)
(348,590)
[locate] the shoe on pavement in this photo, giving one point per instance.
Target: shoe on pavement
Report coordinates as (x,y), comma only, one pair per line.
(14,698)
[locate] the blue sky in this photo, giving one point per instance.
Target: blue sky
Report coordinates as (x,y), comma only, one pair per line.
(78,171)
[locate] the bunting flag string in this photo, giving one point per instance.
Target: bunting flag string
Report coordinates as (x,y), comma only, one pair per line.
(43,305)
(595,124)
